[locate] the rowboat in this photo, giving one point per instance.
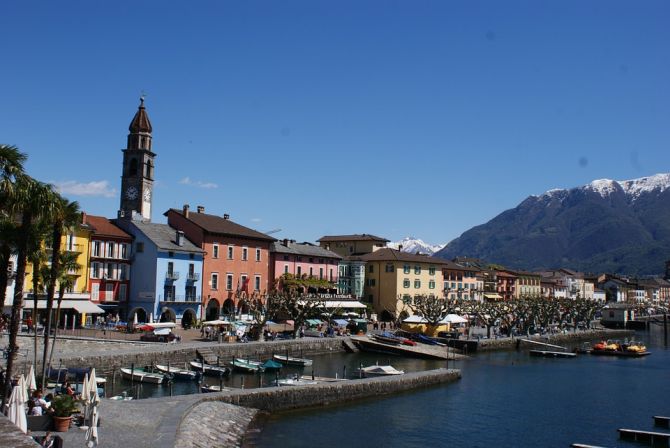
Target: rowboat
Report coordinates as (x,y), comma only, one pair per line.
(205,388)
(371,371)
(243,365)
(292,361)
(177,373)
(142,376)
(210,370)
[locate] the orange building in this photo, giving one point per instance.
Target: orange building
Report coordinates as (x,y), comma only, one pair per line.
(236,262)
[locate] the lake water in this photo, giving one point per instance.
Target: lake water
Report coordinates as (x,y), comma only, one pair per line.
(503,399)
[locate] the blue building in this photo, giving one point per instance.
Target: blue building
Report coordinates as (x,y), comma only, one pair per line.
(165,274)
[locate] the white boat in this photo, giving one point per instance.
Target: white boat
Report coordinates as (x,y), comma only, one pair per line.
(210,370)
(379,371)
(295,381)
(291,361)
(120,398)
(142,376)
(213,388)
(179,374)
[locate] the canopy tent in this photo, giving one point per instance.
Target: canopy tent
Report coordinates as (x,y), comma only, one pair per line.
(333,304)
(216,323)
(453,319)
(341,322)
(313,322)
(80,306)
(162,325)
(492,296)
(415,319)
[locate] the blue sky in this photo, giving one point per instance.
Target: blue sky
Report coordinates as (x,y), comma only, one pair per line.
(395,118)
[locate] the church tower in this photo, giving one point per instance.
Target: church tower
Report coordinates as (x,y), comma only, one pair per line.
(137,177)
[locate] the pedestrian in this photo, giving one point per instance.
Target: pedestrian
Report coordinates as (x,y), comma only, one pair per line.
(29,324)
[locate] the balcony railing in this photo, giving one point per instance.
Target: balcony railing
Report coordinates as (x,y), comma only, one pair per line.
(193,276)
(179,298)
(172,275)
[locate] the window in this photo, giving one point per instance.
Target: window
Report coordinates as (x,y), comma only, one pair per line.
(390,267)
(190,293)
(285,257)
(124,251)
(431,284)
(109,273)
(191,271)
(311,272)
(215,281)
(258,255)
(169,292)
(417,270)
(110,250)
(95,270)
(139,247)
(243,283)
(371,282)
(215,250)
(406,269)
(431,270)
(245,253)
(331,274)
(298,271)
(122,292)
(405,283)
(320,273)
(123,270)
(229,282)
(230,252)
(371,268)
(171,254)
(285,269)
(96,248)
(257,283)
(417,284)
(170,268)
(95,292)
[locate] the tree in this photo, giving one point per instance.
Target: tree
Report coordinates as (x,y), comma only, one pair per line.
(292,304)
(430,307)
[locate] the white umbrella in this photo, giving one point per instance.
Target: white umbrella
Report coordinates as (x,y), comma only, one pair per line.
(453,319)
(92,387)
(92,401)
(17,411)
(151,318)
(32,383)
(25,396)
(92,431)
(135,318)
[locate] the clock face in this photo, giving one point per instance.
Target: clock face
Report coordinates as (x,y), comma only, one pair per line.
(147,194)
(131,192)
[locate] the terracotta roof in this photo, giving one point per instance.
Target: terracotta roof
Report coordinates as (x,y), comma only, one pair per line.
(388,254)
(222,226)
(140,121)
(104,227)
(356,237)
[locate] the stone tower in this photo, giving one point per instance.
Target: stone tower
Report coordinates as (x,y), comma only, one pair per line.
(137,177)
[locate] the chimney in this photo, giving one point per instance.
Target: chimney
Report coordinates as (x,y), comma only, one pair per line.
(180,238)
(285,242)
(201,209)
(399,247)
(226,216)
(185,210)
(120,214)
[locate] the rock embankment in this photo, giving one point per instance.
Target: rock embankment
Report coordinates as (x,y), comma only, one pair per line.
(570,338)
(214,423)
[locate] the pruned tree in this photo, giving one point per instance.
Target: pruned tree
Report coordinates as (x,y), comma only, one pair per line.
(430,307)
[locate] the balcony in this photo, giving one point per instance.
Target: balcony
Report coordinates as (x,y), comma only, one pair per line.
(171,275)
(111,278)
(193,276)
(11,275)
(179,298)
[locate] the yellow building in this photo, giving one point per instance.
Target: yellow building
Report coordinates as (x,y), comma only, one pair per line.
(527,284)
(346,245)
(391,275)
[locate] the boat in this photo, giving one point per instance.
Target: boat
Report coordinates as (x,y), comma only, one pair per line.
(386,339)
(142,376)
(206,388)
(242,365)
(322,379)
(295,381)
(616,348)
(177,373)
(634,346)
(377,370)
(210,370)
(120,398)
(292,361)
(272,365)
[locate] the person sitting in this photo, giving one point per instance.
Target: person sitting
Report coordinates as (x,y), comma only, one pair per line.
(68,390)
(33,409)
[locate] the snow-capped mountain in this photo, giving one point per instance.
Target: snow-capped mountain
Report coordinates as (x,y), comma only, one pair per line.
(604,226)
(415,245)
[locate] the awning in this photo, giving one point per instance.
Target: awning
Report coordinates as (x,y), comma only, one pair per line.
(80,306)
(341,322)
(345,304)
(313,322)
(492,296)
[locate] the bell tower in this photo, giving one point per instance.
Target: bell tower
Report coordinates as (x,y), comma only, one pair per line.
(137,177)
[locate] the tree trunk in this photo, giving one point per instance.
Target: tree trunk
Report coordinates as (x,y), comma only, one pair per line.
(36,281)
(17,305)
(55,267)
(5,254)
(61,290)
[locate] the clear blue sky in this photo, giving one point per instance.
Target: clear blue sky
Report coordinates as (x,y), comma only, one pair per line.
(396,118)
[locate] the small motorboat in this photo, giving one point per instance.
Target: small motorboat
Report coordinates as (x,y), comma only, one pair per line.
(292,361)
(206,388)
(242,365)
(387,339)
(272,365)
(295,381)
(177,373)
(372,371)
(142,376)
(635,347)
(210,369)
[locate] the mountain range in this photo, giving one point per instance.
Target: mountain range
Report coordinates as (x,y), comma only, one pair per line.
(414,245)
(604,226)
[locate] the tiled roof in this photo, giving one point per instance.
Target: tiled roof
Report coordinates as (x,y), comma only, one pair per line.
(222,226)
(388,254)
(104,227)
(356,237)
(165,237)
(306,249)
(140,121)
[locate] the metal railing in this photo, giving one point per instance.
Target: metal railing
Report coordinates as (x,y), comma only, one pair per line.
(172,275)
(179,298)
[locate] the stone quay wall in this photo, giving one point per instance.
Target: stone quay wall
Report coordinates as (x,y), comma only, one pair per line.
(105,364)
(558,338)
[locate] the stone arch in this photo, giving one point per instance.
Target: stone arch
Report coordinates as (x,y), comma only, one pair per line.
(386,316)
(228,307)
(149,170)
(188,318)
(141,315)
(212,312)
(243,306)
(168,315)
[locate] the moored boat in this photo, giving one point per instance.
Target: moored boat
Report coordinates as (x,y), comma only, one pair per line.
(142,376)
(177,373)
(271,364)
(292,361)
(209,369)
(376,370)
(242,365)
(206,388)
(295,381)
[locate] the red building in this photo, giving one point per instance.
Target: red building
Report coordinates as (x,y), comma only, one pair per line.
(109,278)
(236,262)
(505,284)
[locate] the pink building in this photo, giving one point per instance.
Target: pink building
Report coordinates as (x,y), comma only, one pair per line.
(303,260)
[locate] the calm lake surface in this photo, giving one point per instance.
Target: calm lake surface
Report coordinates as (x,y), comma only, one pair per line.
(503,399)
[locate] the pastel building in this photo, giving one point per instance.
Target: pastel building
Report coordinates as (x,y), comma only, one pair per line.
(109,273)
(527,284)
(462,282)
(236,265)
(393,276)
(166,285)
(303,259)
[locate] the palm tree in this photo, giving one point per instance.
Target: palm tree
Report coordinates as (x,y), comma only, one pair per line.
(66,216)
(31,200)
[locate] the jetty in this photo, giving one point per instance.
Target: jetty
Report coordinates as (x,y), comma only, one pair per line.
(414,351)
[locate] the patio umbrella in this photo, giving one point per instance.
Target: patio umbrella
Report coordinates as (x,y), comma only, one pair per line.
(92,401)
(17,411)
(92,431)
(31,382)
(151,318)
(135,319)
(23,384)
